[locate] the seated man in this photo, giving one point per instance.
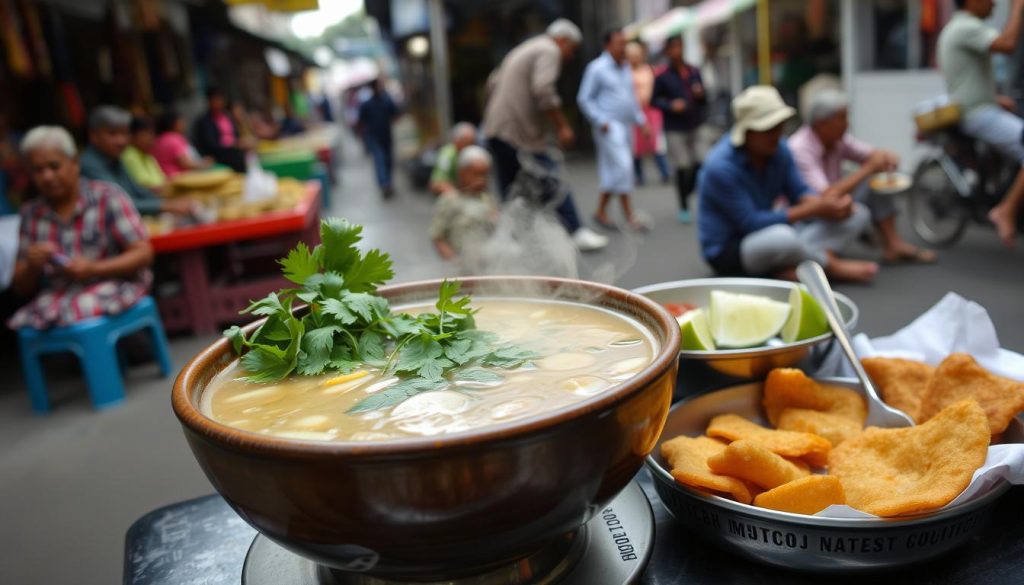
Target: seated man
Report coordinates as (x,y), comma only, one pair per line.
(965,52)
(101,161)
(138,157)
(740,232)
(74,270)
(445,174)
(819,148)
(464,219)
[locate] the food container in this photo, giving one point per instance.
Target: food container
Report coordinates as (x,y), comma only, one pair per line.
(797,541)
(706,370)
(436,508)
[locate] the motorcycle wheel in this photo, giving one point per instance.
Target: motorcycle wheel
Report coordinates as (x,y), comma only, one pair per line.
(936,210)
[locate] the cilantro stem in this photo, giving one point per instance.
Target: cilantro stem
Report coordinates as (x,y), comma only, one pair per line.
(355,344)
(394,354)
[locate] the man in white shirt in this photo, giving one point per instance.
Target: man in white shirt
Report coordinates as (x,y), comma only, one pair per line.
(965,52)
(607,99)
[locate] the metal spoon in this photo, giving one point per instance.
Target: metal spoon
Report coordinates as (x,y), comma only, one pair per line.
(879,414)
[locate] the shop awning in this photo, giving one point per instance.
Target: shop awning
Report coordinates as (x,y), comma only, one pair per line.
(678,20)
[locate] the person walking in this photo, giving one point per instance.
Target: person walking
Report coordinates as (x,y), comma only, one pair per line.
(523,104)
(652,143)
(607,99)
(679,94)
(376,116)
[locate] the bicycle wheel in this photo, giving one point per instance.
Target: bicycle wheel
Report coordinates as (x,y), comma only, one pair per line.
(936,211)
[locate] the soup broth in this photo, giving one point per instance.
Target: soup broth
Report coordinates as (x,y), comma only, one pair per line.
(581,351)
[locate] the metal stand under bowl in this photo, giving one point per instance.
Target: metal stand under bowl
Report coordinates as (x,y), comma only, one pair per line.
(613,547)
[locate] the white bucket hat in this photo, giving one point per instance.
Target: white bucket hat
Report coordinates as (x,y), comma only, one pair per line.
(757,108)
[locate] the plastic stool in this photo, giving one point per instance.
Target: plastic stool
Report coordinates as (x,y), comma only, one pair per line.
(94,341)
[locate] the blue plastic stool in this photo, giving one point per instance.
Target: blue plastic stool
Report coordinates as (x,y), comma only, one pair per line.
(94,341)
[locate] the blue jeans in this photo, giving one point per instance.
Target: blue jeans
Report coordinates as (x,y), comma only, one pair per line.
(506,165)
(383,160)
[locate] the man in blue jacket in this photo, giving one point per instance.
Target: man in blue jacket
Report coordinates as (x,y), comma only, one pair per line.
(757,216)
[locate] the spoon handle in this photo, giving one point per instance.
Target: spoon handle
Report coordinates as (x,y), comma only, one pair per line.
(813,277)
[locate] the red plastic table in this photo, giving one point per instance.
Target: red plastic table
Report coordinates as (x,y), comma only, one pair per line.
(202,305)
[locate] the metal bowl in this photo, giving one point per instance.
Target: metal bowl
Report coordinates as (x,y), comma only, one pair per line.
(705,370)
(797,541)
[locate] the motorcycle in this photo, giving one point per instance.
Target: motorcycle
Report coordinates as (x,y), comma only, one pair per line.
(961,179)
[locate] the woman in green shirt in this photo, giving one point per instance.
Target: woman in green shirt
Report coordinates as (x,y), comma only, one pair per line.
(138,158)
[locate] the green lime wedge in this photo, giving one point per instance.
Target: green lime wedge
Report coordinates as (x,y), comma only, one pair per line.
(742,320)
(693,326)
(806,319)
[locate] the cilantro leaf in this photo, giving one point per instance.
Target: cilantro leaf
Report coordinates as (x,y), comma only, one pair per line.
(299,264)
(266,363)
(364,305)
(237,338)
(321,339)
(478,375)
(268,305)
(508,357)
(338,240)
(396,393)
(367,273)
(371,348)
(339,311)
(423,355)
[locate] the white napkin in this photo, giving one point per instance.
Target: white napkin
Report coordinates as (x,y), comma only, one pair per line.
(954,324)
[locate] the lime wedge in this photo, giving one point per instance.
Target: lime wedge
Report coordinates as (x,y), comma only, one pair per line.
(806,319)
(741,320)
(693,326)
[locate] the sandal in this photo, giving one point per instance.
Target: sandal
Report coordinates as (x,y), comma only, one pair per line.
(917,256)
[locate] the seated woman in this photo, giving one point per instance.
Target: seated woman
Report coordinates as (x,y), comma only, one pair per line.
(172,151)
(138,157)
(82,249)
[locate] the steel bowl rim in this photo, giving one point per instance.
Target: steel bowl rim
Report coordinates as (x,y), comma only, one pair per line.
(749,352)
(661,475)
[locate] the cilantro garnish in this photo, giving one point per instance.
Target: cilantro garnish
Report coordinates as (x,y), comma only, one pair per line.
(348,326)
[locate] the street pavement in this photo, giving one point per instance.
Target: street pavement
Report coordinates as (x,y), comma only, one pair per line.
(71,483)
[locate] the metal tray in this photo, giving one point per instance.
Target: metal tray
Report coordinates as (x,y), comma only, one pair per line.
(801,542)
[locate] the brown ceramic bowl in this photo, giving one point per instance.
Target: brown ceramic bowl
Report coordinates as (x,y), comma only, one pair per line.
(450,506)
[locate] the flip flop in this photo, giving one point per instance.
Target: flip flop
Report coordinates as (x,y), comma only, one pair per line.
(918,256)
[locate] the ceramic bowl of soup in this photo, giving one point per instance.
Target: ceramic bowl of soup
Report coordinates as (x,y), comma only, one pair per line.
(456,481)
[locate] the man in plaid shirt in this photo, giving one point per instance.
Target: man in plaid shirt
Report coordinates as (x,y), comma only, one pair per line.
(83,251)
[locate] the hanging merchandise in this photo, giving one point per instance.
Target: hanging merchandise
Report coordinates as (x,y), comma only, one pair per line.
(14,43)
(73,104)
(36,39)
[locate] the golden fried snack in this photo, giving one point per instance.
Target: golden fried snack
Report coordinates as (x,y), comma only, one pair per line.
(791,388)
(891,472)
(733,427)
(833,427)
(688,457)
(807,495)
(752,462)
(901,382)
(959,377)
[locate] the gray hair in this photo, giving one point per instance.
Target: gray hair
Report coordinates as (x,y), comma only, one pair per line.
(473,154)
(109,117)
(564,28)
(463,129)
(48,137)
(825,104)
